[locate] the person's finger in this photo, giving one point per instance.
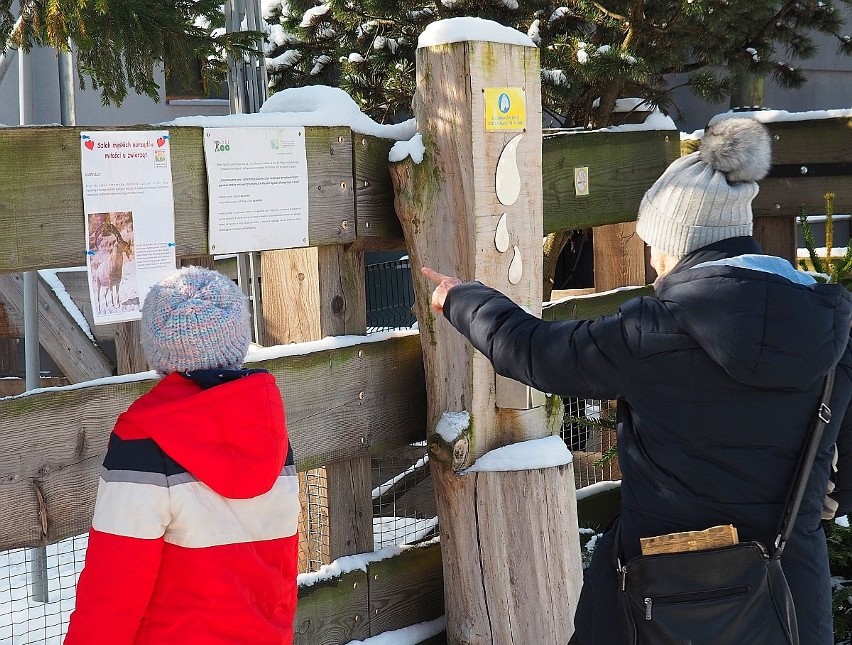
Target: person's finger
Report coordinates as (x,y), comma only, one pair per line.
(432,275)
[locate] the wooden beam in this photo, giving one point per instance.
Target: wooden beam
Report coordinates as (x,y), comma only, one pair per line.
(341,403)
(622,166)
(406,589)
(395,592)
(41,193)
(333,611)
(60,335)
(777,236)
(378,227)
(619,256)
(472,208)
(589,307)
(309,294)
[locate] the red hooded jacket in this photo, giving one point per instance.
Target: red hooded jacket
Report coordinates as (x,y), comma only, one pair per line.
(194,537)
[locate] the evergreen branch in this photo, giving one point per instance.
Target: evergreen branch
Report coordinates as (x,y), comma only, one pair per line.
(810,243)
(608,13)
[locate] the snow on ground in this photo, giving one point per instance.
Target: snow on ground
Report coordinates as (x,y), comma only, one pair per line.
(24,621)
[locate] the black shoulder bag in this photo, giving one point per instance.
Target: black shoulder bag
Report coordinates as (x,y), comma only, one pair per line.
(729,595)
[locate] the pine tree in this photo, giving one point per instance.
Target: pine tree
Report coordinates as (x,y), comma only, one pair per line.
(118,43)
(592,51)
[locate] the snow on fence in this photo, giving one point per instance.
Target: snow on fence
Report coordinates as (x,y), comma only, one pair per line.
(349,401)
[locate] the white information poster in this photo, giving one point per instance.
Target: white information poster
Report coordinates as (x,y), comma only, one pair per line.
(129,215)
(257,180)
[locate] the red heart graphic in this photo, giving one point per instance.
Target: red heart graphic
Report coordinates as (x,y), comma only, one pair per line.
(161,141)
(89,144)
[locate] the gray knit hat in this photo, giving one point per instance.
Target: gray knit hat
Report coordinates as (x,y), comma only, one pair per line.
(195,319)
(706,196)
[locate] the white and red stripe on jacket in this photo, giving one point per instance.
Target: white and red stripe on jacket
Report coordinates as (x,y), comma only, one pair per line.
(194,536)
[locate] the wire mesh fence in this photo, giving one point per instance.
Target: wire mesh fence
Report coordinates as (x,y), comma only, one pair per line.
(23,620)
(404,510)
(588,429)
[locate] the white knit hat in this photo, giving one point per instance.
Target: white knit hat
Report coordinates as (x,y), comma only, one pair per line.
(706,196)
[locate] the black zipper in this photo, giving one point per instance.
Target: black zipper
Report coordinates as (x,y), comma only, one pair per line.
(694,596)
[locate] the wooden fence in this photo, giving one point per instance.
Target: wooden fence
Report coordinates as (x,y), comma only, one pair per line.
(343,404)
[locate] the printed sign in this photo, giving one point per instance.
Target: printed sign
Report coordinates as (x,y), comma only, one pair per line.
(129,219)
(505,108)
(257,180)
(581,181)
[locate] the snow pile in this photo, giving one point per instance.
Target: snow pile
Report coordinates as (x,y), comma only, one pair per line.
(525,455)
(349,563)
(452,424)
(777,116)
(53,281)
(315,105)
(458,30)
(410,635)
(257,353)
(413,148)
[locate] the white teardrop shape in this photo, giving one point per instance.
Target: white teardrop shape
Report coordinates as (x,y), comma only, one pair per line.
(516,268)
(501,235)
(508,179)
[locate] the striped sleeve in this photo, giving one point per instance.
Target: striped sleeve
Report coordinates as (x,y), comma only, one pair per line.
(125,545)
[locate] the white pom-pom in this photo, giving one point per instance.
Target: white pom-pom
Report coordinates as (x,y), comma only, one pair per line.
(740,148)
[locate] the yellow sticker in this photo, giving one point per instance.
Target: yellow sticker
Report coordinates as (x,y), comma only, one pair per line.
(505,108)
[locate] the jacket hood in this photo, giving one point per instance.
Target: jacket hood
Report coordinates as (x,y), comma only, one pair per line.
(765,323)
(232,437)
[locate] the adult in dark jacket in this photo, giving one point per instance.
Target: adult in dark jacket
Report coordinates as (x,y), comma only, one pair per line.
(716,378)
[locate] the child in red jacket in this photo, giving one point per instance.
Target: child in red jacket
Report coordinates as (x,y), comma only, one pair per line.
(194,536)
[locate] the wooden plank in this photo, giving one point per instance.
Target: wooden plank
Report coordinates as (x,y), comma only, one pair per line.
(715,536)
(814,141)
(590,307)
(15,386)
(406,589)
(377,225)
(619,256)
(76,284)
(57,440)
(777,236)
(350,507)
(784,197)
(41,193)
(309,294)
(622,166)
(60,335)
(334,611)
(129,358)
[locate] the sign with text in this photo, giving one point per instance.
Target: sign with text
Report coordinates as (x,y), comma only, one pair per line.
(505,108)
(257,180)
(129,218)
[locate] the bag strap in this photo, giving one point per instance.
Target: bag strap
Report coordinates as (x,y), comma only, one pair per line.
(806,462)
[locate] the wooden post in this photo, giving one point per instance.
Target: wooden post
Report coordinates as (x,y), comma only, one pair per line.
(308,294)
(473,208)
(619,256)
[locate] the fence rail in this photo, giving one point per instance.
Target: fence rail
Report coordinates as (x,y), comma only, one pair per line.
(345,402)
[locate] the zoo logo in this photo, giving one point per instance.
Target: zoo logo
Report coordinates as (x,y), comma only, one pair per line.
(221,146)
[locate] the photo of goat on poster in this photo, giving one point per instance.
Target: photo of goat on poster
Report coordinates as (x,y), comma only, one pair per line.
(112,265)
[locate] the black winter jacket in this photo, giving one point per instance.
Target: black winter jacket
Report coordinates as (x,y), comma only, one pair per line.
(717,379)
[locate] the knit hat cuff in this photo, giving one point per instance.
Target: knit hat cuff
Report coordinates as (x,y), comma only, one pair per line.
(677,238)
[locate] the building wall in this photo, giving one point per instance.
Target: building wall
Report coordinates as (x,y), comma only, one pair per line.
(828,86)
(136,109)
